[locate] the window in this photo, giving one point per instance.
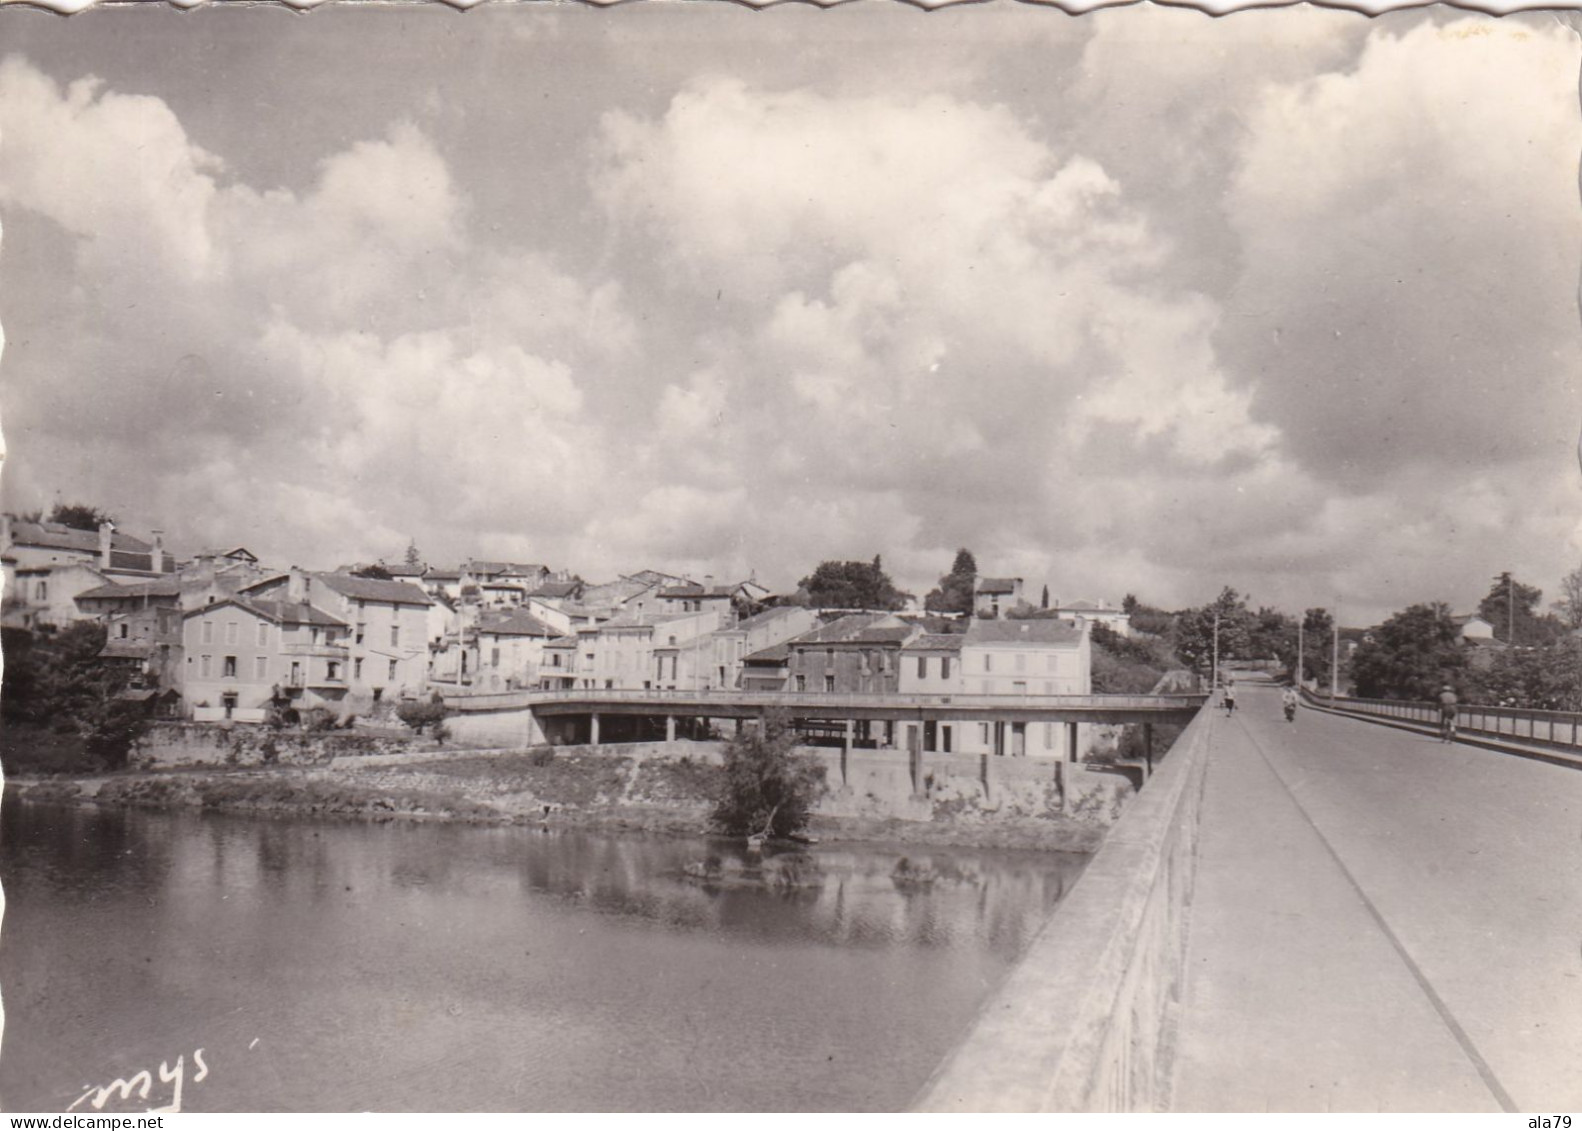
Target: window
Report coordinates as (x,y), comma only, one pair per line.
(361,628)
(609,684)
(983,733)
(231,632)
(230,667)
(801,683)
(314,634)
(357,668)
(208,632)
(205,665)
(944,673)
(392,669)
(260,668)
(554,661)
(922,667)
(43,589)
(263,634)
(395,635)
(829,683)
(944,737)
(122,631)
(988,662)
(332,670)
(494,657)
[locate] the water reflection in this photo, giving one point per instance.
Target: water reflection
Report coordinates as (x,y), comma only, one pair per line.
(333,966)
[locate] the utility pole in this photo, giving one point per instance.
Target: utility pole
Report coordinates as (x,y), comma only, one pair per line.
(1214,678)
(1334,655)
(1510,608)
(1300,670)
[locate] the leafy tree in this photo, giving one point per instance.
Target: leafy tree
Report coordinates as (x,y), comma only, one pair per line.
(1129,604)
(1410,656)
(1507,595)
(60,682)
(852,585)
(419,713)
(1317,629)
(1547,678)
(1193,631)
(1272,634)
(956,589)
(767,785)
(1127,665)
(375,572)
(79,516)
(413,557)
(1569,606)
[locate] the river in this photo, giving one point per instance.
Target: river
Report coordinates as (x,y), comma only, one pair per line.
(329,966)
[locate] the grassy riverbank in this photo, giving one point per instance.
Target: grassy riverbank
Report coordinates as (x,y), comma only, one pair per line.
(661,795)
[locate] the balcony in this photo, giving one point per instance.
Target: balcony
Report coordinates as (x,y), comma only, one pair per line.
(318,651)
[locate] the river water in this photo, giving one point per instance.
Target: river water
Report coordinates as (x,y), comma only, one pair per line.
(326,966)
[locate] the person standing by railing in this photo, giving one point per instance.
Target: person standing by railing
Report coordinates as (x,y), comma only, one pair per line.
(1230,697)
(1447,714)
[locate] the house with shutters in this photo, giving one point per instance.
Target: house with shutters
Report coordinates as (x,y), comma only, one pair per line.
(388,623)
(857,654)
(245,654)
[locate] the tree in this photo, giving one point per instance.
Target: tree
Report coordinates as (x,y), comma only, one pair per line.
(375,572)
(956,590)
(1570,604)
(852,585)
(80,516)
(1043,602)
(1317,628)
(1547,678)
(413,558)
(1193,632)
(1510,604)
(767,785)
(1410,656)
(418,714)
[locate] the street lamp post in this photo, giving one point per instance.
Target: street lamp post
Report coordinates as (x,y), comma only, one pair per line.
(1214,675)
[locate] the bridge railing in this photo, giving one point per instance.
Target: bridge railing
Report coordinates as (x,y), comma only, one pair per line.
(1549,728)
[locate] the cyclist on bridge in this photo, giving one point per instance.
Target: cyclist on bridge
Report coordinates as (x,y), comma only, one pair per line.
(1447,714)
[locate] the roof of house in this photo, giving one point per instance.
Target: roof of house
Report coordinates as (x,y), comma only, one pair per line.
(561,642)
(155,587)
(116,649)
(281,612)
(997,584)
(442,575)
(404,570)
(936,642)
(694,590)
(859,628)
(774,654)
(516,623)
(1085,606)
(1042,631)
(558,589)
(766,616)
(57,536)
(644,620)
(374,589)
(520,569)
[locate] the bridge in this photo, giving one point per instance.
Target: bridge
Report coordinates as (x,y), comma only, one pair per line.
(1336,914)
(589,714)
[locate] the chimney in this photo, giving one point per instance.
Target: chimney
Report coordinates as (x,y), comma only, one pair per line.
(106,529)
(708,581)
(159,551)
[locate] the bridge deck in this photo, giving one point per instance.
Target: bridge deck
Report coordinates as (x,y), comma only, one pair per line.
(1380,922)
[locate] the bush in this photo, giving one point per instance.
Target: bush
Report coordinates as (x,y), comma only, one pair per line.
(418,714)
(766,784)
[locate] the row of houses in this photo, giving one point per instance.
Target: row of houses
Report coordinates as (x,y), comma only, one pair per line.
(222,636)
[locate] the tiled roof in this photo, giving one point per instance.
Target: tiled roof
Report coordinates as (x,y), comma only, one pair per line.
(1043,631)
(765,617)
(374,589)
(557,589)
(515,624)
(55,536)
(155,587)
(521,569)
(693,589)
(774,654)
(292,612)
(997,584)
(561,642)
(936,642)
(858,628)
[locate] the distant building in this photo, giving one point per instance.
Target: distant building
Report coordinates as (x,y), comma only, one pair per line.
(244,655)
(1096,612)
(46,564)
(996,596)
(857,654)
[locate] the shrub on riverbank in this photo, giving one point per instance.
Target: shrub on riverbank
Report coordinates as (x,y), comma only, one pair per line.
(768,786)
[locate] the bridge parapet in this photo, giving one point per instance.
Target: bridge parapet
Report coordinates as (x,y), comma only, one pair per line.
(1086,1022)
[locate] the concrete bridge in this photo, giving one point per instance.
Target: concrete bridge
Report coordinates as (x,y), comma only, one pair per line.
(1330,915)
(594,715)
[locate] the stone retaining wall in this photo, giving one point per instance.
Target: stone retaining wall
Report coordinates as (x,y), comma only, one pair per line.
(215,744)
(1086,1021)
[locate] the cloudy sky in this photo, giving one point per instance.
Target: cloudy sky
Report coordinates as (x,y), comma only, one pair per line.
(1137,302)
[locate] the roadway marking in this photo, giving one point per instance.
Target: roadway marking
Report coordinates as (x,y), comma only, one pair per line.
(1490,1080)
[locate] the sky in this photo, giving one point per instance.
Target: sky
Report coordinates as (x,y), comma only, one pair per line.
(1134,302)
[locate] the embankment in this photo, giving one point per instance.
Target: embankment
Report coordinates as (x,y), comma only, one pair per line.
(662,787)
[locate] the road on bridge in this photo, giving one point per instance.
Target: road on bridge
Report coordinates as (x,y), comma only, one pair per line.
(1381,922)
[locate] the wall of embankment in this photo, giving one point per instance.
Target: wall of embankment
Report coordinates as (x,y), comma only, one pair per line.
(1087,1020)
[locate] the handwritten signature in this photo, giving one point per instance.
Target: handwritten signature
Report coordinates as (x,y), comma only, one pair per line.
(143,1082)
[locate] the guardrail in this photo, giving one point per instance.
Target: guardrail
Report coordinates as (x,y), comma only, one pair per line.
(1562,729)
(1086,1021)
